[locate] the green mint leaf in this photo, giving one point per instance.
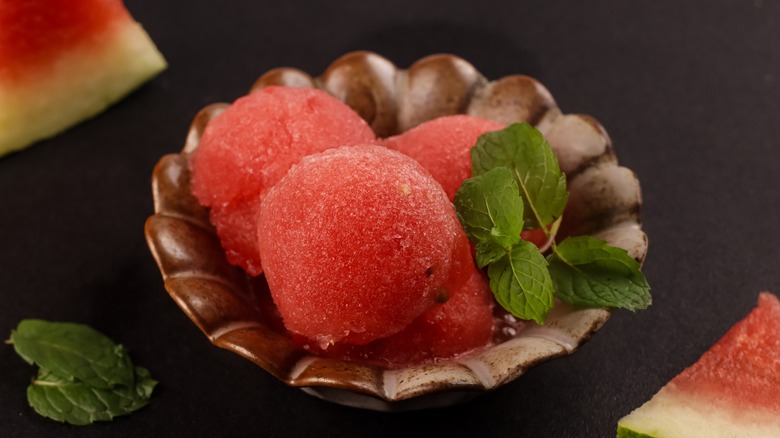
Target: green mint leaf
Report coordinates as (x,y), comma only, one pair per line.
(144,383)
(488,252)
(588,272)
(78,403)
(522,149)
(74,352)
(521,282)
(490,209)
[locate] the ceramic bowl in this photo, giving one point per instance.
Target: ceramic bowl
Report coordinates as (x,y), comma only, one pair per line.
(235,311)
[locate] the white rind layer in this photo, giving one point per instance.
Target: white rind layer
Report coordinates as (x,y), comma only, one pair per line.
(80,84)
(672,414)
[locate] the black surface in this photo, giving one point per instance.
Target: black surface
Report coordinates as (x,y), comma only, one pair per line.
(689,92)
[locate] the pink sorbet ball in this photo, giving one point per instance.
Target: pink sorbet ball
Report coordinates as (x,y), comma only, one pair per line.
(356,242)
(462,325)
(443,146)
(247,149)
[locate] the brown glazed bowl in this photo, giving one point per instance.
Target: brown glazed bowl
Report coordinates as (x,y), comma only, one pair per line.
(235,311)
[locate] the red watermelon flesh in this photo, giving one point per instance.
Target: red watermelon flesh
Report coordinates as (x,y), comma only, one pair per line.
(251,146)
(443,146)
(236,225)
(535,236)
(357,242)
(34,33)
(461,325)
(64,61)
(732,390)
(743,368)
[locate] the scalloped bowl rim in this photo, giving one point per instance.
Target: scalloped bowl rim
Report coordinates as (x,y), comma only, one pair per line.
(430,385)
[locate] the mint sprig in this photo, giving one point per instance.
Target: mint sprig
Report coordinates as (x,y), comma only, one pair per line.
(83,377)
(490,209)
(518,185)
(77,403)
(523,150)
(74,351)
(521,282)
(588,272)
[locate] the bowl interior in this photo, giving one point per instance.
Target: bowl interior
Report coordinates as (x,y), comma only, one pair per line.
(235,311)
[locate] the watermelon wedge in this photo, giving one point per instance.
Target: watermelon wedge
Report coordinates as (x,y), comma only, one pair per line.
(62,61)
(732,391)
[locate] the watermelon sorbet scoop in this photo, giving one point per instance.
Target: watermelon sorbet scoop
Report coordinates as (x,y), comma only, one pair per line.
(443,147)
(357,242)
(248,148)
(460,326)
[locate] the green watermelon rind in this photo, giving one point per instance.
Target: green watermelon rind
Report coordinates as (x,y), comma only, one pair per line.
(672,414)
(624,432)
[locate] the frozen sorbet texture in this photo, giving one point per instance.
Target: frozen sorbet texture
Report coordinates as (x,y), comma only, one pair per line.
(443,146)
(357,242)
(251,146)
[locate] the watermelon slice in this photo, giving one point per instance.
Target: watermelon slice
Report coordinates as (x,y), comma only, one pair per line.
(732,391)
(62,61)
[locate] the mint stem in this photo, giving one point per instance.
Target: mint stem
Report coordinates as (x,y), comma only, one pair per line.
(527,196)
(45,383)
(552,232)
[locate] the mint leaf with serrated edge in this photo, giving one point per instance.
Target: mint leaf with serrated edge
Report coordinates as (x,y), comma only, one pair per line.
(488,252)
(73,351)
(490,209)
(522,149)
(80,404)
(583,271)
(588,272)
(521,282)
(84,376)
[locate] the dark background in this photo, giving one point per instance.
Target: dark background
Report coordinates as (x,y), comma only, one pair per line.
(689,92)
